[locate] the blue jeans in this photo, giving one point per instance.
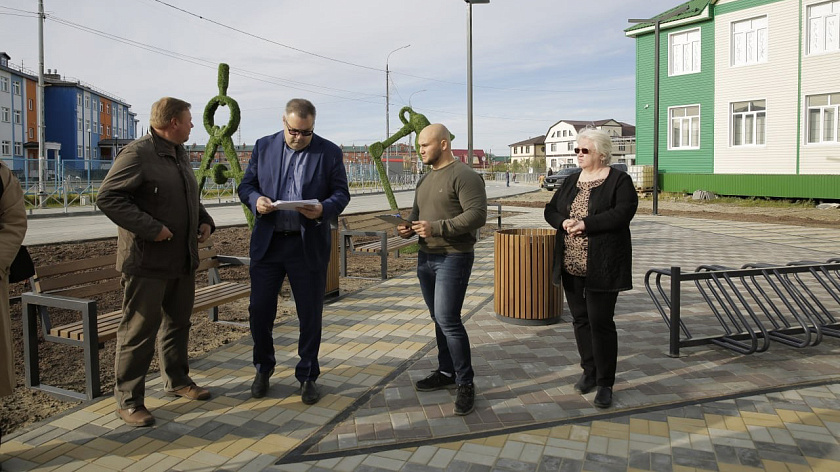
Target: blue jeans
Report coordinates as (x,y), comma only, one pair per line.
(443,281)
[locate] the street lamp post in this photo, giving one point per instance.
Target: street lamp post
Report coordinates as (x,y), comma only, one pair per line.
(388,99)
(656,23)
(469,80)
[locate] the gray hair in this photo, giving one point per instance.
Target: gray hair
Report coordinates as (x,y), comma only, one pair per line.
(600,139)
(301,107)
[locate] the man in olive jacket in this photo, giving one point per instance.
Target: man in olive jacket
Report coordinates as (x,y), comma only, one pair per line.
(152,195)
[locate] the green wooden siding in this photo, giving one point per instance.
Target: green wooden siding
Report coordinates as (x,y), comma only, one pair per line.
(679,90)
(818,187)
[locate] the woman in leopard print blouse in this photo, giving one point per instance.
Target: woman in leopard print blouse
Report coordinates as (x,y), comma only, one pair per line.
(593,256)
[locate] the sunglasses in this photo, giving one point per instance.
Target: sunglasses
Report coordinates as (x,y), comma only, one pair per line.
(581,150)
(295,132)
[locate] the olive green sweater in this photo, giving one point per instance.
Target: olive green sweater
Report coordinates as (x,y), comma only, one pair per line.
(454,201)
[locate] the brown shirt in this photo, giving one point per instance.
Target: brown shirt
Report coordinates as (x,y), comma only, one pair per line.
(577,247)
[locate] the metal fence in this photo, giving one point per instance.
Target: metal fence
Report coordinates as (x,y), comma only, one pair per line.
(75,183)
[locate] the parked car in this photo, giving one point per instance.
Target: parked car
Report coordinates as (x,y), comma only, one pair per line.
(555,180)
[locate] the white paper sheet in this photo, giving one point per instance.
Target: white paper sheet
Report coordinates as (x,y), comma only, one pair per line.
(292,204)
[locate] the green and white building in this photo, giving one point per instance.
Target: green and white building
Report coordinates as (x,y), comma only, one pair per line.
(749,98)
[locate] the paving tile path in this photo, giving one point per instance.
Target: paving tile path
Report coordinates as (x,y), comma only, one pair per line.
(710,409)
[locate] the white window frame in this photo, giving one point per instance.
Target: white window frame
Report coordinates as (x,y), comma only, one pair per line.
(749,127)
(829,111)
(687,124)
(79,99)
(4,84)
(79,151)
(749,41)
(18,117)
(18,150)
(87,101)
(5,115)
(15,87)
(679,44)
(6,148)
(31,104)
(823,28)
(31,133)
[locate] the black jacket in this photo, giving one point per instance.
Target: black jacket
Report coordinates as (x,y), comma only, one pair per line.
(612,205)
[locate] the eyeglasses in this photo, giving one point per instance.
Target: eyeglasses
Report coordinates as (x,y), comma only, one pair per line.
(295,132)
(581,150)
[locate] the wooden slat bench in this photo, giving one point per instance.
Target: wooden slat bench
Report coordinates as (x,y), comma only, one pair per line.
(70,285)
(378,242)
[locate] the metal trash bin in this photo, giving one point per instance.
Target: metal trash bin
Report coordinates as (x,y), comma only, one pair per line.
(523,290)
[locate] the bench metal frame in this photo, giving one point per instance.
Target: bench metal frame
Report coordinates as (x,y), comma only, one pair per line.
(35,305)
(390,243)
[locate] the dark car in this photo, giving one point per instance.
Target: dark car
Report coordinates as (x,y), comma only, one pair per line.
(555,180)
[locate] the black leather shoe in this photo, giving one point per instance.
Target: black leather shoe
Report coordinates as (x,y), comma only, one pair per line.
(309,393)
(585,384)
(465,399)
(260,386)
(603,398)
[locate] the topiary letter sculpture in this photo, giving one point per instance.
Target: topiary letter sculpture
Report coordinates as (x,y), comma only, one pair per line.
(414,123)
(222,136)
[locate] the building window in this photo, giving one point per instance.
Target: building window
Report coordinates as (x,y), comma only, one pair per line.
(553,147)
(16,88)
(5,114)
(6,148)
(823,118)
(684,52)
(570,146)
(79,99)
(18,116)
(527,149)
(31,133)
(87,125)
(749,41)
(684,123)
(748,123)
(108,131)
(100,107)
(824,27)
(87,152)
(95,152)
(87,101)
(31,104)
(101,128)
(78,151)
(18,148)
(4,84)
(108,108)
(79,123)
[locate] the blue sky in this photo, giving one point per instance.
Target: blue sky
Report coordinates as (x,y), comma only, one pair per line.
(534,61)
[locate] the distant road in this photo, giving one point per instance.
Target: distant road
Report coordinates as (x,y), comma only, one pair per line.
(54,226)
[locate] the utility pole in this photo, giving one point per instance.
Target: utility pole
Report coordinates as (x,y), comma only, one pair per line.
(42,160)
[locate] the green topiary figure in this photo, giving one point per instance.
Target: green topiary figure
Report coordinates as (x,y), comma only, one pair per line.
(222,136)
(414,123)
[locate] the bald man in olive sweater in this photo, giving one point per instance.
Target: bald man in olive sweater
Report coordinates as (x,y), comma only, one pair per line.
(450,205)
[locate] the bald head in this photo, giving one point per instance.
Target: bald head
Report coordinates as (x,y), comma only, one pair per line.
(435,145)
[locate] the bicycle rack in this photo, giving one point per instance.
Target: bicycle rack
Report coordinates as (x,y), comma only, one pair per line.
(753,305)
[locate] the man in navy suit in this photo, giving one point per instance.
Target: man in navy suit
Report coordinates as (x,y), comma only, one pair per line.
(294,164)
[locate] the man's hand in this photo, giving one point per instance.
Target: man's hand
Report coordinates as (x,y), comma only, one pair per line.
(422,228)
(313,212)
(405,231)
(204,232)
(264,205)
(164,235)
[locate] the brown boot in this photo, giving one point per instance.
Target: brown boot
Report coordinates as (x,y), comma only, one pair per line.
(136,417)
(190,392)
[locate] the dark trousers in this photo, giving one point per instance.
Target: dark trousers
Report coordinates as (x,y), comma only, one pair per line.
(592,319)
(285,257)
(152,308)
(443,281)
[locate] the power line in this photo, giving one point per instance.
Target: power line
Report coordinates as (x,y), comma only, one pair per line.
(211,64)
